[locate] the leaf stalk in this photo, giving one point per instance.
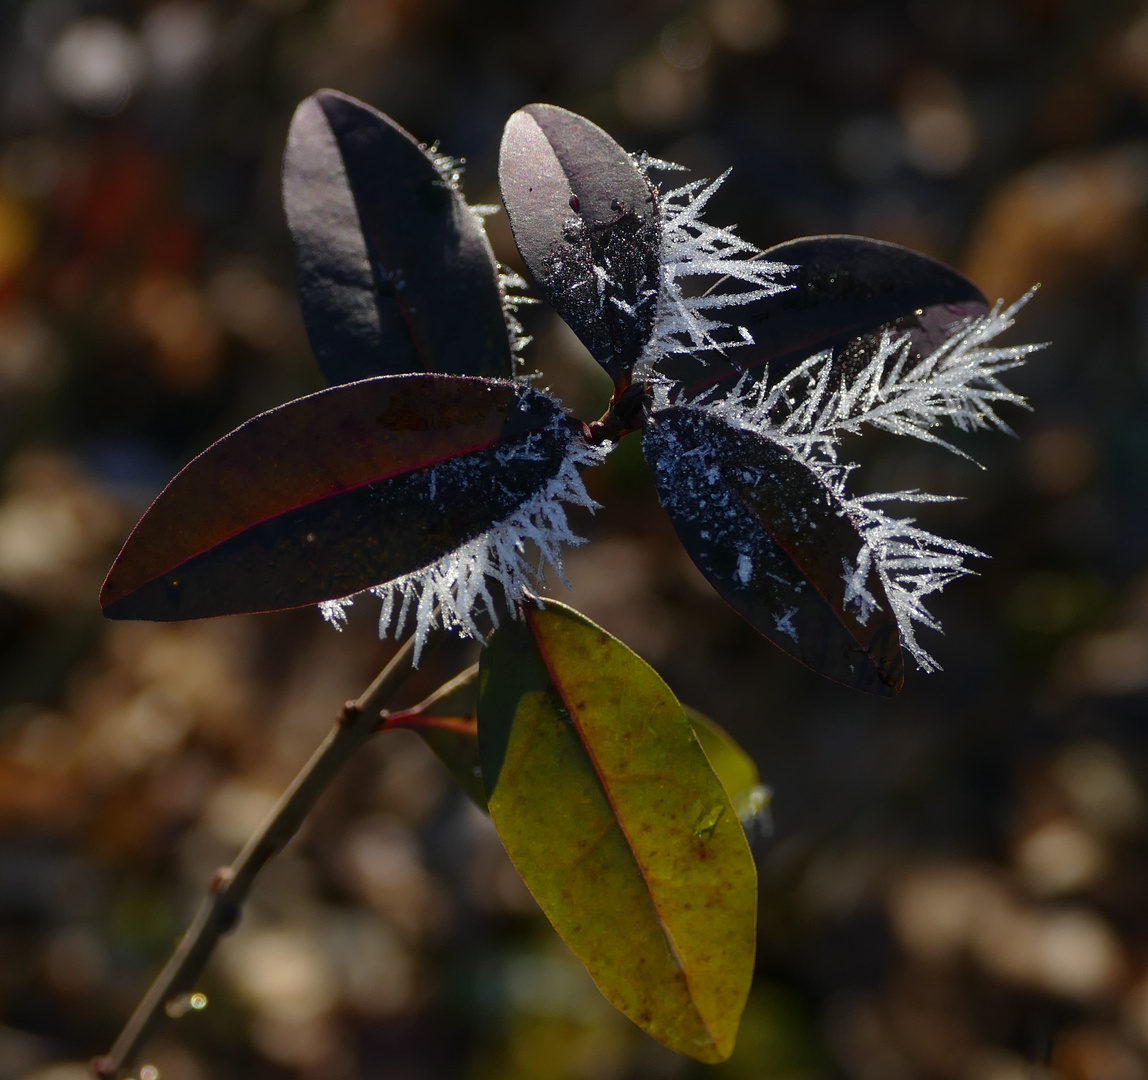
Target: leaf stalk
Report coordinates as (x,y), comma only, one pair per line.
(626,413)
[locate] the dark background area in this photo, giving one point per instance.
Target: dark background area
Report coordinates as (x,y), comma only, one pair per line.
(957,883)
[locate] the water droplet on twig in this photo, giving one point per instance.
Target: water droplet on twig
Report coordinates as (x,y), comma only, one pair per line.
(182,1005)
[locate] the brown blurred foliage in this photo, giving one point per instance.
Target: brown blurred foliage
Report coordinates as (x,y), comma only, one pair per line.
(957,885)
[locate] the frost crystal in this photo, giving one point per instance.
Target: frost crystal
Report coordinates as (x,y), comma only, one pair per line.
(448,167)
(690,247)
(814,405)
(454,589)
(910,562)
(785,623)
(512,291)
(809,410)
(511,286)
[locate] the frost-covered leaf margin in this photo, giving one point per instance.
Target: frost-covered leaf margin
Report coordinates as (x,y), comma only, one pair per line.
(454,589)
(809,411)
(691,247)
(511,285)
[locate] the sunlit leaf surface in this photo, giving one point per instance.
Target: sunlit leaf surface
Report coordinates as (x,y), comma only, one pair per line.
(335,492)
(585,220)
(775,544)
(846,289)
(395,273)
(448,723)
(613,815)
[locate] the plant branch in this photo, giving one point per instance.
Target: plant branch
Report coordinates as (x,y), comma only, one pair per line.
(356,723)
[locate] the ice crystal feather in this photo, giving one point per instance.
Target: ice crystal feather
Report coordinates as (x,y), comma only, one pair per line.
(809,410)
(959,382)
(454,589)
(691,247)
(910,562)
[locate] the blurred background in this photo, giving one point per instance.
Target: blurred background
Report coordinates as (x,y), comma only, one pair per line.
(957,882)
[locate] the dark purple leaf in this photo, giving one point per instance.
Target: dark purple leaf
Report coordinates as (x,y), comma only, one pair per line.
(774,542)
(586,222)
(395,273)
(847,289)
(335,492)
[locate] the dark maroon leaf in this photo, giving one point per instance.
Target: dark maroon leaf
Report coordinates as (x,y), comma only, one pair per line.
(586,222)
(395,274)
(335,492)
(774,542)
(847,289)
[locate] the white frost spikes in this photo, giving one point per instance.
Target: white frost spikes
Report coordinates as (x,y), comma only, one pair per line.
(810,410)
(959,382)
(693,248)
(451,591)
(910,562)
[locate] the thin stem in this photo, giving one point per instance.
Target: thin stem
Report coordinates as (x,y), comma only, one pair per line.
(433,713)
(357,721)
(626,413)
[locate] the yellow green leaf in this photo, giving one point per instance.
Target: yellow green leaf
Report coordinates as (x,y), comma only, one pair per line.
(619,825)
(734,767)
